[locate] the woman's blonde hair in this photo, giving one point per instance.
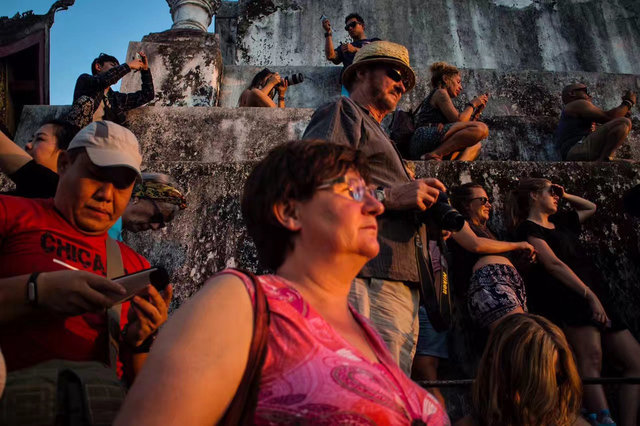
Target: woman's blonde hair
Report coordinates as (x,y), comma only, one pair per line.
(527,375)
(440,70)
(519,201)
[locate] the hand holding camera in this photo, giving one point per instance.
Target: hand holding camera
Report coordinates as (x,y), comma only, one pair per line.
(139,62)
(480,100)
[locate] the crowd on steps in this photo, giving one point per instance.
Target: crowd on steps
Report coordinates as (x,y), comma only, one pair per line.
(371,269)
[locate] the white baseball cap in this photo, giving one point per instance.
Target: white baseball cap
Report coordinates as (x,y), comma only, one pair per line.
(109,145)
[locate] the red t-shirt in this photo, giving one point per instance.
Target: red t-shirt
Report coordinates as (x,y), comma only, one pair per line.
(32,234)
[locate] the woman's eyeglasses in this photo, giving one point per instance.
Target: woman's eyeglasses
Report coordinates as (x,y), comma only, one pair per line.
(356,188)
(483,200)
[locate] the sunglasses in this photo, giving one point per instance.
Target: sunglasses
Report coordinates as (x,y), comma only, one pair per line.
(483,200)
(556,191)
(350,25)
(356,188)
(393,74)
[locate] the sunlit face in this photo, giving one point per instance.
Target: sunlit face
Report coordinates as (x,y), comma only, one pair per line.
(546,200)
(355,29)
(479,207)
(43,147)
(332,222)
(143,214)
(92,198)
(453,85)
(383,90)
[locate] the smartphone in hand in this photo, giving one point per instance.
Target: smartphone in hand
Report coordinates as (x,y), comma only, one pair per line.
(138,281)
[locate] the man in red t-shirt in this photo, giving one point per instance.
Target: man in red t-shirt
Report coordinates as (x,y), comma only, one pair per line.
(48,311)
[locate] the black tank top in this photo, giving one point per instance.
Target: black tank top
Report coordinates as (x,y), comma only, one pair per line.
(427,114)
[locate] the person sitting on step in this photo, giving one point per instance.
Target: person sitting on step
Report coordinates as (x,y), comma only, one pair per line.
(443,132)
(262,89)
(579,137)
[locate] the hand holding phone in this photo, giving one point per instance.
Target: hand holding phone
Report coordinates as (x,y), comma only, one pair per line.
(138,281)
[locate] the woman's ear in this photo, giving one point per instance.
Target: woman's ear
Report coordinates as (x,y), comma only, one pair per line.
(287,214)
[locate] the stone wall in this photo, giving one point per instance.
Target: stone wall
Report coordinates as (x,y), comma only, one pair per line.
(221,135)
(568,35)
(209,235)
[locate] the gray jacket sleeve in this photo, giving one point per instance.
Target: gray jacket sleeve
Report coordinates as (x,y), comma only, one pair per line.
(339,122)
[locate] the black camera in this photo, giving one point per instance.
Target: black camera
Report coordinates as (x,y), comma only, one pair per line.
(444,216)
(294,78)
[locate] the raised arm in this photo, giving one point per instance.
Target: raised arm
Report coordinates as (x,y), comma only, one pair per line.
(329,51)
(197,362)
(585,109)
(12,157)
(558,269)
(442,101)
(471,242)
(583,207)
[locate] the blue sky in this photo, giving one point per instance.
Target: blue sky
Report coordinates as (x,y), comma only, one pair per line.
(88,28)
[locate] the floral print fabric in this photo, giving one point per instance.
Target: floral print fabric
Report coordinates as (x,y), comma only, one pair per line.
(312,375)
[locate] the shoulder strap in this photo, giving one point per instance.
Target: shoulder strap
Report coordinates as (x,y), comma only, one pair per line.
(242,409)
(115,268)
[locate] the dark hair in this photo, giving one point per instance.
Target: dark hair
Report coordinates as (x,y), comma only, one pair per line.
(440,70)
(259,77)
(461,196)
(64,132)
(520,381)
(519,200)
(74,153)
(291,171)
(100,60)
(354,15)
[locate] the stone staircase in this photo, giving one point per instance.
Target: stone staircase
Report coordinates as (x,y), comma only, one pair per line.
(211,150)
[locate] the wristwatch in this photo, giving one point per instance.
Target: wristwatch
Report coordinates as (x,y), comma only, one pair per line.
(328,34)
(32,289)
(380,194)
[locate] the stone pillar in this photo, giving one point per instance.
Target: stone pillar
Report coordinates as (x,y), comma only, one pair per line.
(186,66)
(192,14)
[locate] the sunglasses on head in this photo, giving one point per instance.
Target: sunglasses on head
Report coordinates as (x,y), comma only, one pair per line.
(483,200)
(350,25)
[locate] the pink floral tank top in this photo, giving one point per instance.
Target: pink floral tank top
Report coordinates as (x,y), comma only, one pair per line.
(311,375)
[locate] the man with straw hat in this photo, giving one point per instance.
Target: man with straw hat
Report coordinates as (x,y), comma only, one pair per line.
(386,289)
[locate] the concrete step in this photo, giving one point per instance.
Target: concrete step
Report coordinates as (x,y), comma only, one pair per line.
(212,134)
(209,235)
(526,93)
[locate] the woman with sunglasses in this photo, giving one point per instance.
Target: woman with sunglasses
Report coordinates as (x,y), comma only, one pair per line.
(567,288)
(482,275)
(443,132)
(312,217)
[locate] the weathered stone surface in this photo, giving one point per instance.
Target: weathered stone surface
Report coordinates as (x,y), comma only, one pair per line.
(596,35)
(526,93)
(239,134)
(186,66)
(209,234)
(192,14)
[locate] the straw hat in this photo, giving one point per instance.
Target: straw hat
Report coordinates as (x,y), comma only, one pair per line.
(382,52)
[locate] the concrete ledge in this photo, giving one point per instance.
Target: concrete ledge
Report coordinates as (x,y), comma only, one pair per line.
(519,93)
(209,235)
(212,134)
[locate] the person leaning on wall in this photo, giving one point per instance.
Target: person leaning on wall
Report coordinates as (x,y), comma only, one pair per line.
(263,89)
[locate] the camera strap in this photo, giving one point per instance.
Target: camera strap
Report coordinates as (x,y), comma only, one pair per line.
(437,306)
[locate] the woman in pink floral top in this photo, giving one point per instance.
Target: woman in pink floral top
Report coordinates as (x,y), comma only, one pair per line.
(313,219)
